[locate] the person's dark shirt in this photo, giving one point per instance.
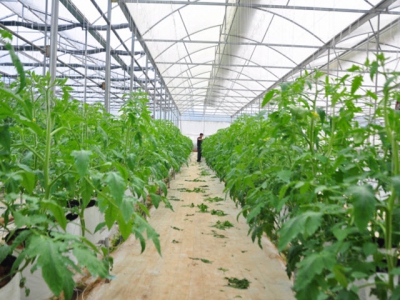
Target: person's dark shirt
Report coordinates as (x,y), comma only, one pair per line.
(199,141)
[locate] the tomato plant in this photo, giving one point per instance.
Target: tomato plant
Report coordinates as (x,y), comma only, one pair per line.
(324,187)
(54,150)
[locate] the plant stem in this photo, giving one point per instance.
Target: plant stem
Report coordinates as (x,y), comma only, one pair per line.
(390,205)
(46,167)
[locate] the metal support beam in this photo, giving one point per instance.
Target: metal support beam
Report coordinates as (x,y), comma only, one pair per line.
(108,60)
(53,40)
(131,74)
(80,76)
(383,5)
(45,36)
(154,95)
(81,18)
(160,101)
(128,16)
(251,44)
(266,6)
(147,76)
(85,84)
(166,96)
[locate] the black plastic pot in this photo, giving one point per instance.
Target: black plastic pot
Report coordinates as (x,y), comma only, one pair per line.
(75,203)
(72,203)
(5,269)
(9,286)
(10,237)
(71,217)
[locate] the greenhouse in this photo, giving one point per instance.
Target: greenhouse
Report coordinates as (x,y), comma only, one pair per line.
(208,149)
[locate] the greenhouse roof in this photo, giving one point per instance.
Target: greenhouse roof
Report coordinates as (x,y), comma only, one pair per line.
(210,58)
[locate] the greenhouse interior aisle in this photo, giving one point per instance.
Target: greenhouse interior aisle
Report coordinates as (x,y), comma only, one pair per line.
(196,257)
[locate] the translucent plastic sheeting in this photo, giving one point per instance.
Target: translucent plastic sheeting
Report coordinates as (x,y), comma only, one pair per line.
(250,47)
(216,57)
(71,45)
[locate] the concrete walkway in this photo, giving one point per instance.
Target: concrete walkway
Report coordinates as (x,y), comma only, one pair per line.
(189,244)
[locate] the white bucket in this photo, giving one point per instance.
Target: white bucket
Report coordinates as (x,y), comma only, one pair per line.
(94,217)
(39,289)
(11,290)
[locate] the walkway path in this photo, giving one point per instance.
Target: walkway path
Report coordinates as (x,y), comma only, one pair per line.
(180,273)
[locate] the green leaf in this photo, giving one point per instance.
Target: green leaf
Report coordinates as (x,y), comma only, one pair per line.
(347,295)
(127,208)
(306,223)
(364,205)
(284,175)
(28,181)
(369,248)
(142,225)
(32,126)
(131,161)
(57,211)
(116,185)
(54,269)
(5,138)
(373,69)
(321,114)
(254,211)
(372,95)
(111,215)
(155,199)
(124,227)
(340,276)
(5,34)
(21,220)
(312,266)
(354,68)
(18,65)
(358,275)
(342,233)
(143,208)
(122,171)
(163,186)
(396,293)
(268,96)
(356,83)
(89,260)
(99,226)
(395,271)
(386,86)
(86,191)
(4,251)
(81,160)
(396,184)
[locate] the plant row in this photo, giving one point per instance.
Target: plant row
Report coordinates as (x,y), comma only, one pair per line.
(323,187)
(55,151)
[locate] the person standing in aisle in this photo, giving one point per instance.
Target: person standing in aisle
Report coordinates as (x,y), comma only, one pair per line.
(199,141)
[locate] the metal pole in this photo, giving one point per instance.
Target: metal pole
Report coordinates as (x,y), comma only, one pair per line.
(132,74)
(53,41)
(45,36)
(147,75)
(165,104)
(161,99)
(85,85)
(108,60)
(169,110)
(154,93)
(376,78)
(329,64)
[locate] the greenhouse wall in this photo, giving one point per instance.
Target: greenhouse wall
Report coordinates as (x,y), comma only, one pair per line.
(192,129)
